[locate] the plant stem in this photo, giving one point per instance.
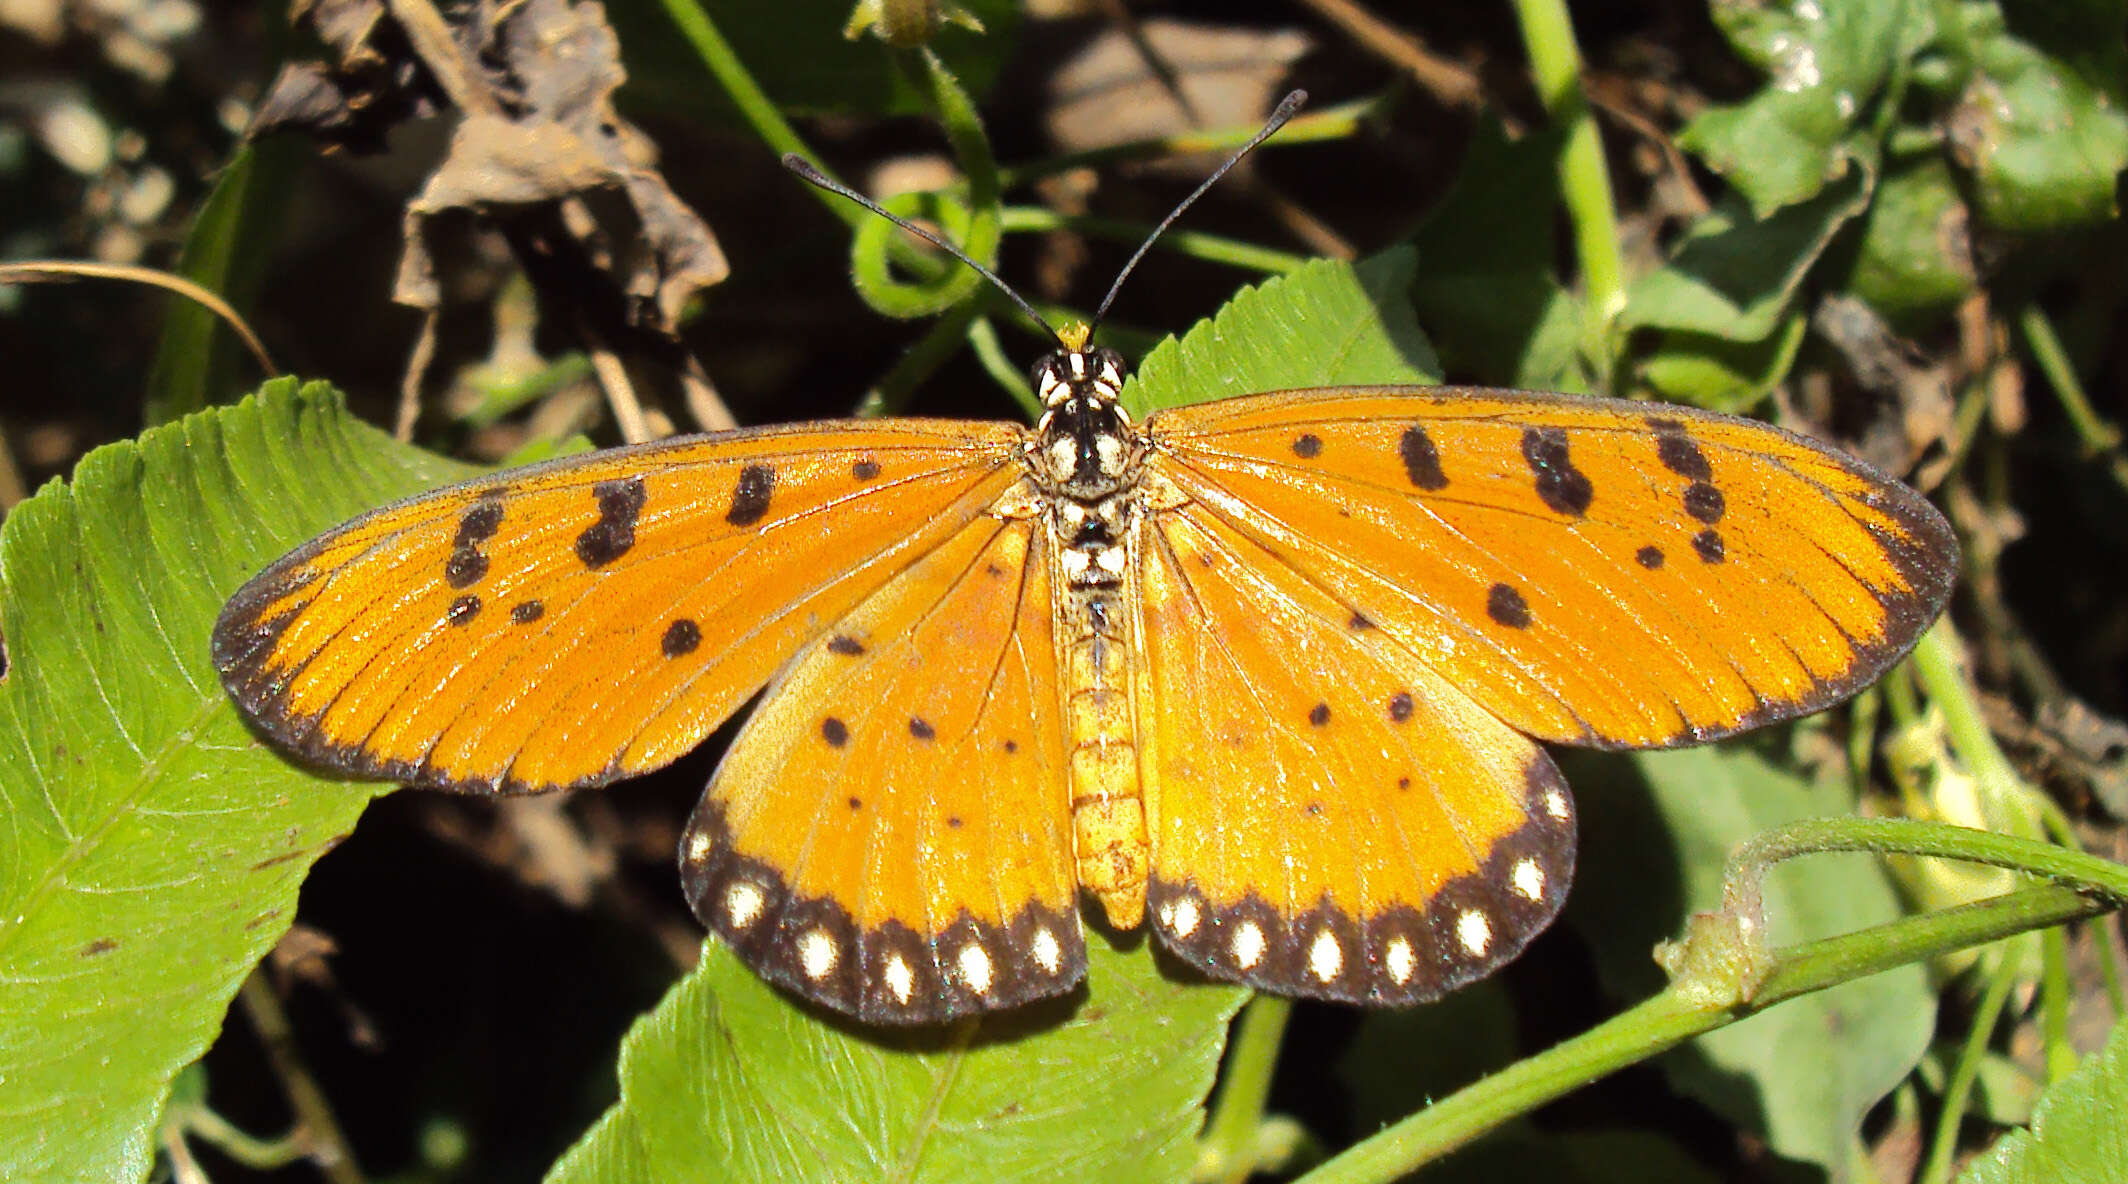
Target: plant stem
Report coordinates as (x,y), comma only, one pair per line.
(1585,180)
(1960,1086)
(1225,1154)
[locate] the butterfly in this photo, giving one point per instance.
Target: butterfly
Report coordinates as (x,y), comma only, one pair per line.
(1271,673)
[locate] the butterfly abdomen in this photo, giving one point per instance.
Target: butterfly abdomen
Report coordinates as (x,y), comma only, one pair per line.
(1110,837)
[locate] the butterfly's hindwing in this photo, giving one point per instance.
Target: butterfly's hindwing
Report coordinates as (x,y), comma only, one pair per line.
(1335,818)
(888,834)
(593,617)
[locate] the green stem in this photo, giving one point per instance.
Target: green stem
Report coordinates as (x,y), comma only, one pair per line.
(1226,1153)
(892,392)
(1688,1009)
(753,103)
(1328,123)
(1944,1144)
(1585,180)
(1939,660)
(1195,244)
(2099,437)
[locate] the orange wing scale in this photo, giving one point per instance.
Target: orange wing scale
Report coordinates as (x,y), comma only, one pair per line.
(579,621)
(1589,571)
(1335,819)
(888,833)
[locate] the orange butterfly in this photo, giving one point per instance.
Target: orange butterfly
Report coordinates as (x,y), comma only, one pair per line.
(1273,668)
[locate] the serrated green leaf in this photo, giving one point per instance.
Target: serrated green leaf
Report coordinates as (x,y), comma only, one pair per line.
(729,1080)
(2077,1136)
(150,848)
(1825,61)
(1327,324)
(1734,278)
(1803,1073)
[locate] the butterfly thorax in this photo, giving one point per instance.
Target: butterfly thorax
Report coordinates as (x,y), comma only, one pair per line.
(1085,459)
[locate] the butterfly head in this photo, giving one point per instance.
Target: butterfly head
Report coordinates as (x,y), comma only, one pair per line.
(1087,445)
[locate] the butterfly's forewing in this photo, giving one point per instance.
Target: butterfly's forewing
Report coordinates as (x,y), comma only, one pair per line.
(1588,571)
(1335,818)
(596,616)
(889,833)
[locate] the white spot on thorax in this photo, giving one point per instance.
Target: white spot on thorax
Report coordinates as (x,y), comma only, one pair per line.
(1047,953)
(1475,932)
(1529,879)
(1248,945)
(899,979)
(975,968)
(1402,960)
(816,953)
(1325,956)
(742,903)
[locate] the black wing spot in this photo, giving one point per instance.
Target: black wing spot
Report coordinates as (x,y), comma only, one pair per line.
(1011,745)
(1560,485)
(856,803)
(1422,462)
(464,568)
(467,565)
(1400,706)
(527,612)
(1677,451)
(1319,714)
(844,644)
(609,538)
(1709,545)
(463,609)
(681,638)
(1307,445)
(865,470)
(1506,607)
(1359,623)
(953,821)
(922,729)
(1704,502)
(835,732)
(749,503)
(1649,557)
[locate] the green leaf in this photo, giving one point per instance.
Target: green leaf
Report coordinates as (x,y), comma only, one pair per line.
(1722,375)
(1803,1073)
(150,848)
(1486,283)
(1327,324)
(1735,278)
(1916,258)
(730,1080)
(2042,141)
(2076,1136)
(1825,61)
(198,357)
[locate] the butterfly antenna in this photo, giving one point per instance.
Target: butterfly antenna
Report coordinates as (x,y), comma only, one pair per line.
(1279,115)
(806,172)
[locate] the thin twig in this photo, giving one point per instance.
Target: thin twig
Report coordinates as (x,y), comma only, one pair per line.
(1448,81)
(417,365)
(315,1123)
(67,270)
